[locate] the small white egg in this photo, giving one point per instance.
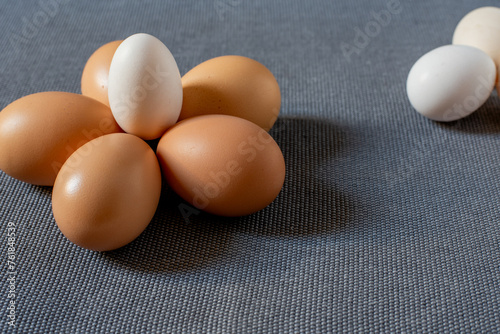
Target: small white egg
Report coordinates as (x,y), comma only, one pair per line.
(144,87)
(451,82)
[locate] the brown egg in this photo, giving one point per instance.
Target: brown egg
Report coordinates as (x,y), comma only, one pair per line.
(222,164)
(232,85)
(96,70)
(39,132)
(107,192)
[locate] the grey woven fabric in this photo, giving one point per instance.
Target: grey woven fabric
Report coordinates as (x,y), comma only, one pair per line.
(387,222)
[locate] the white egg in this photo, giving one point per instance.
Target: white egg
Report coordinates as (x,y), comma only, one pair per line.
(144,87)
(450,82)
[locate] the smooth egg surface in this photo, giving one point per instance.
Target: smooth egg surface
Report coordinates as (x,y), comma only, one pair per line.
(144,89)
(232,85)
(450,82)
(222,164)
(481,28)
(95,74)
(107,192)
(39,132)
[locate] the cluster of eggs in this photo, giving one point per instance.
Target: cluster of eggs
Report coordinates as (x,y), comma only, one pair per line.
(453,81)
(214,149)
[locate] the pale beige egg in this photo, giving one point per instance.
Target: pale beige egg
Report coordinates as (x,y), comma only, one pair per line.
(480,28)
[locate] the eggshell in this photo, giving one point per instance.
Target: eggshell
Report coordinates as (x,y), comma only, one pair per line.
(232,85)
(107,192)
(222,164)
(39,132)
(481,28)
(144,89)
(96,71)
(450,82)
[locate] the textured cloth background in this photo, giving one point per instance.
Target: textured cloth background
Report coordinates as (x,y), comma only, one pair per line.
(387,222)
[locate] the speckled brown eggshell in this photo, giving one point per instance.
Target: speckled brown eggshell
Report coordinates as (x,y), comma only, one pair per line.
(39,132)
(95,74)
(224,165)
(232,85)
(107,192)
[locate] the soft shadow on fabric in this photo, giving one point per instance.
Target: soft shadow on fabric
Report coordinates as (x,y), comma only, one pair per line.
(309,204)
(45,191)
(484,120)
(173,244)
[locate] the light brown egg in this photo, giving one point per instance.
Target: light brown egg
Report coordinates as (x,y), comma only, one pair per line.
(39,132)
(222,164)
(96,71)
(232,85)
(107,192)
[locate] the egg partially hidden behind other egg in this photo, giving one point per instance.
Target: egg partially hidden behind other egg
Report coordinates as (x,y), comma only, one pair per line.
(38,132)
(96,71)
(480,28)
(107,192)
(221,164)
(232,85)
